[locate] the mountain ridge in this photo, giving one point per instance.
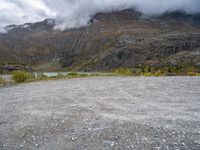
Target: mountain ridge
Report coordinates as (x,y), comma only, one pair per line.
(110,40)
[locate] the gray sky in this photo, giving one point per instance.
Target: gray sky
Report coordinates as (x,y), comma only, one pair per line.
(76,13)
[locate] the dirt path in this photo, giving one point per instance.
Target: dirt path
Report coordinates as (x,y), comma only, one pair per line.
(102,113)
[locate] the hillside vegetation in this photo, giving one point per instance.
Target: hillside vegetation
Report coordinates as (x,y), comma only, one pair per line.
(124,39)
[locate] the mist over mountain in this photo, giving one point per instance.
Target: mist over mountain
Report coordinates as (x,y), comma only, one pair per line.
(77,13)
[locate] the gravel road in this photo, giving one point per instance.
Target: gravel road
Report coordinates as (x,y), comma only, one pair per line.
(121,113)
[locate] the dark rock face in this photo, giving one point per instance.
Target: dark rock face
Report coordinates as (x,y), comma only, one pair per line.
(111,40)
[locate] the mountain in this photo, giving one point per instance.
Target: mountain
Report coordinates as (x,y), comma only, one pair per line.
(110,40)
(27,28)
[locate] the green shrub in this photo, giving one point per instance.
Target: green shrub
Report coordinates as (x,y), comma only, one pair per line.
(77,75)
(72,75)
(193,74)
(1,81)
(21,76)
(159,73)
(124,71)
(148,74)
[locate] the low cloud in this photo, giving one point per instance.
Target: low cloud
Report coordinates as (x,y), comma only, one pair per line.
(76,13)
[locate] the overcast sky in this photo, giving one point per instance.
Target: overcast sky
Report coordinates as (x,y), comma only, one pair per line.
(75,13)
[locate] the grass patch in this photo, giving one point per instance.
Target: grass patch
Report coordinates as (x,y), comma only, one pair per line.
(73,75)
(2,81)
(123,71)
(21,76)
(81,75)
(141,71)
(156,74)
(167,70)
(70,75)
(193,74)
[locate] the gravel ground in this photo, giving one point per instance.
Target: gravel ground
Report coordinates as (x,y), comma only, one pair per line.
(102,113)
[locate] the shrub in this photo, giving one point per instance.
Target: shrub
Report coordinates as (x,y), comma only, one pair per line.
(72,75)
(149,69)
(148,74)
(1,81)
(193,74)
(21,76)
(159,73)
(77,75)
(124,71)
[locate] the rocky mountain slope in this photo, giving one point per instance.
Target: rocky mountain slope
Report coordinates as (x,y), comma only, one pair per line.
(111,40)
